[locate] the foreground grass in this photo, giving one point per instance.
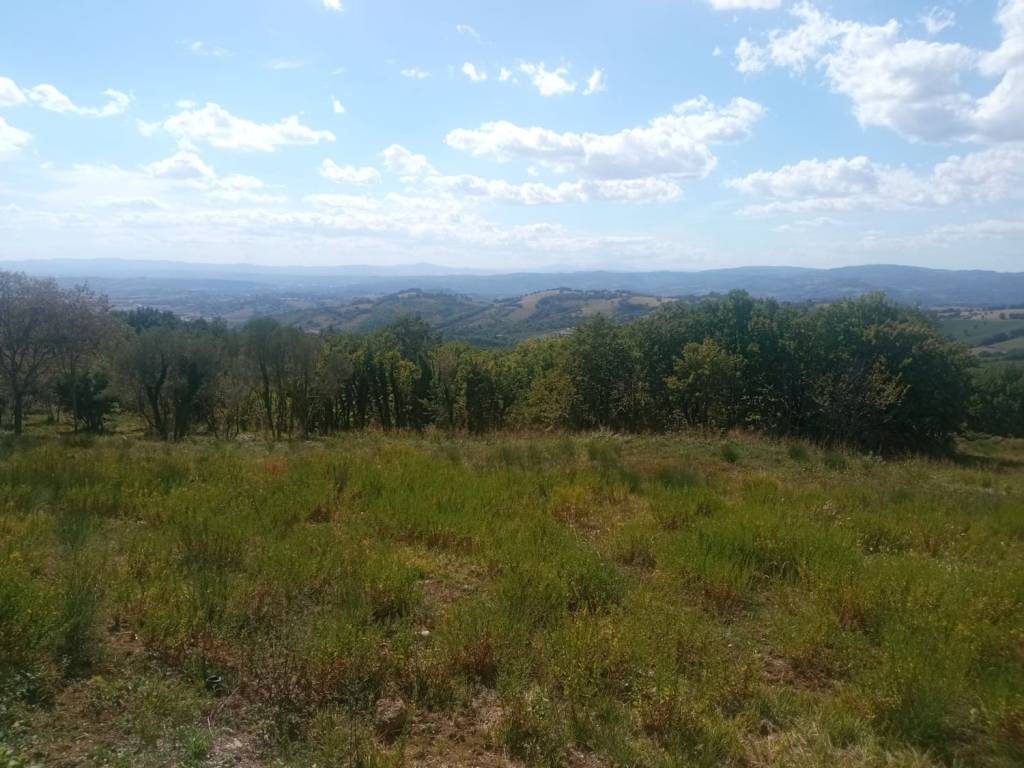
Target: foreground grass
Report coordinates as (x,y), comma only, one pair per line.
(591,601)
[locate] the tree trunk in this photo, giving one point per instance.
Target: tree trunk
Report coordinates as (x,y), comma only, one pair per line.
(74,397)
(19,412)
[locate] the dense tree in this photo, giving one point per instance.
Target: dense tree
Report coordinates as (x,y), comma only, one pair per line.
(706,386)
(997,406)
(866,372)
(30,339)
(82,326)
(88,397)
(172,373)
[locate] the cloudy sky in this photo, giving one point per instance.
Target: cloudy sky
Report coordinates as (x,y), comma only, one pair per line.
(683,134)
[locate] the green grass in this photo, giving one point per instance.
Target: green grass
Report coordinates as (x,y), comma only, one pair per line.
(663,601)
(973,330)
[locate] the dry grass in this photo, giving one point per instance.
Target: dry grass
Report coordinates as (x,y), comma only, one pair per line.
(591,601)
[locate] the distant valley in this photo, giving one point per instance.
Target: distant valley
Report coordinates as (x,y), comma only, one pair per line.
(502,308)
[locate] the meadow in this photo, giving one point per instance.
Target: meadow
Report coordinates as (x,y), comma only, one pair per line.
(545,600)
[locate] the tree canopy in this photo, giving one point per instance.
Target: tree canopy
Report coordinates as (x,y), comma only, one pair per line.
(865,372)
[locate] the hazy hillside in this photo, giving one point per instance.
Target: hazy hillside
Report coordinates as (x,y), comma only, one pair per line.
(465,318)
(202,289)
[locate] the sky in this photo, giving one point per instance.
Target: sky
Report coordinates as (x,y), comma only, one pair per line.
(649,134)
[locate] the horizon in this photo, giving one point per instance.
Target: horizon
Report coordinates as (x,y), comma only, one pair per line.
(433,270)
(701,135)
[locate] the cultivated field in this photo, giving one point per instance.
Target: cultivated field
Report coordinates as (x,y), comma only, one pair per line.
(590,601)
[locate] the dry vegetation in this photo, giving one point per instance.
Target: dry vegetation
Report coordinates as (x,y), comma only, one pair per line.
(587,601)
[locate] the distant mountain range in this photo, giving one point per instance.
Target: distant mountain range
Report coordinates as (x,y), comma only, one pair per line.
(127,281)
(492,308)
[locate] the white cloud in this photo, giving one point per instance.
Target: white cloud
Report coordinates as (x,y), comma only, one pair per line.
(182,166)
(595,83)
(239,188)
(348,174)
(333,5)
(673,146)
(535,193)
(200,48)
(337,106)
(214,125)
(415,73)
(735,5)
(400,161)
(913,87)
(10,94)
(938,20)
(505,75)
(988,229)
(548,82)
(470,71)
(465,29)
(184,171)
(12,140)
(105,209)
(1010,53)
(749,57)
(51,99)
(851,183)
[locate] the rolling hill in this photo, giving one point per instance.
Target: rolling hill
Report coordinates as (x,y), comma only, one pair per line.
(461,317)
(195,287)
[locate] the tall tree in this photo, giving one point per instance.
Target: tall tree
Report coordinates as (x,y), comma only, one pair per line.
(29,337)
(82,326)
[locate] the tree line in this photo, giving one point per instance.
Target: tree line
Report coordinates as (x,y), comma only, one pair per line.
(866,372)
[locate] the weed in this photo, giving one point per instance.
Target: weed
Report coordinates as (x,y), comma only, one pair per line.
(635,602)
(729,453)
(834,460)
(798,452)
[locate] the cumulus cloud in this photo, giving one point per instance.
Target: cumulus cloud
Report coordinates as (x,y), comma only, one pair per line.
(415,73)
(548,82)
(536,193)
(400,161)
(337,106)
(844,184)
(333,5)
(911,86)
(214,125)
(183,166)
(10,94)
(115,209)
(750,58)
(674,146)
(189,171)
(51,99)
(348,174)
(12,140)
(474,74)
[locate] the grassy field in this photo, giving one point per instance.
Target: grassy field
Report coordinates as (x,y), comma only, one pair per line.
(974,329)
(590,601)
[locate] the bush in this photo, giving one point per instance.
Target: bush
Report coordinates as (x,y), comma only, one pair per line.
(729,453)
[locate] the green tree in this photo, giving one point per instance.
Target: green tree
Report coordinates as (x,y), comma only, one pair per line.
(706,386)
(30,312)
(997,406)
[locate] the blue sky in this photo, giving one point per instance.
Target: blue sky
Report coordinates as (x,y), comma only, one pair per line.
(682,134)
